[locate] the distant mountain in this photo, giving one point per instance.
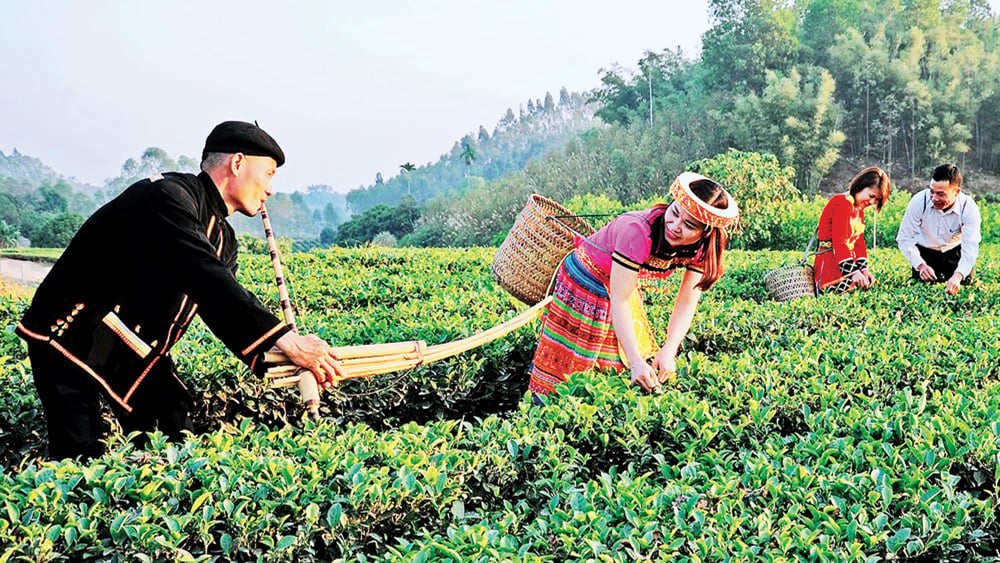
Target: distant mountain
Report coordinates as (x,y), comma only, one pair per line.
(540,127)
(27,171)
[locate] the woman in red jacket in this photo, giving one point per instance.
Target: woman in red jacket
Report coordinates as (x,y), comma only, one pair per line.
(842,260)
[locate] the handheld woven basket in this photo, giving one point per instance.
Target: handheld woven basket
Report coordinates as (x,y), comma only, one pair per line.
(790,282)
(534,247)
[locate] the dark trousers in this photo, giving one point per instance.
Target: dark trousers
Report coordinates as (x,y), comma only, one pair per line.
(71,400)
(944,263)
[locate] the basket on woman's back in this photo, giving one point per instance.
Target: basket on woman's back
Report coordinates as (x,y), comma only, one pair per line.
(541,237)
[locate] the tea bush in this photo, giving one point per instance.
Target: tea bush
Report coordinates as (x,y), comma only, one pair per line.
(863,427)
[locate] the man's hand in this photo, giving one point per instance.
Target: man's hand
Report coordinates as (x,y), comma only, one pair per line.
(954,284)
(927,273)
(312,353)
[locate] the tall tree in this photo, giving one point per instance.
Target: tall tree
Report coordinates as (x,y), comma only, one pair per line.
(468,155)
(405,169)
(795,119)
(748,37)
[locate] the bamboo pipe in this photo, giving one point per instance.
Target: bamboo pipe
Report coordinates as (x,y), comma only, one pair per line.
(441,351)
(307,385)
(377,365)
(360,351)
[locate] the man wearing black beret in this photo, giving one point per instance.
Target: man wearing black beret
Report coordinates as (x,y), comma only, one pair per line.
(127,286)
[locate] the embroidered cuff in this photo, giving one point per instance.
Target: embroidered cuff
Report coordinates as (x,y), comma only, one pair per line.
(848,266)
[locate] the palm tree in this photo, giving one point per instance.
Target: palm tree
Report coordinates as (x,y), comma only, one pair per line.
(405,169)
(468,156)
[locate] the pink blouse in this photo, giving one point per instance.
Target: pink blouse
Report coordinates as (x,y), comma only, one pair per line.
(635,240)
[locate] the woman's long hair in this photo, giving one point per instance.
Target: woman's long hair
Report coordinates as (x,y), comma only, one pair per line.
(714,240)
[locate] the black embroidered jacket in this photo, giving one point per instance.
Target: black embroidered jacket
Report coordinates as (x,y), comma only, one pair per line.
(126,287)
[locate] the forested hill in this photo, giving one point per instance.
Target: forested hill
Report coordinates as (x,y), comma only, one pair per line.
(805,90)
(541,126)
(20,173)
(825,86)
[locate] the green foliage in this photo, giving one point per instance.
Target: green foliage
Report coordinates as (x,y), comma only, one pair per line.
(842,428)
(49,255)
(397,221)
(54,199)
(8,235)
(21,174)
(598,210)
(327,236)
(307,245)
(761,188)
(57,231)
(153,160)
(906,83)
(301,214)
(385,238)
(747,38)
(10,209)
(796,121)
(627,165)
(428,236)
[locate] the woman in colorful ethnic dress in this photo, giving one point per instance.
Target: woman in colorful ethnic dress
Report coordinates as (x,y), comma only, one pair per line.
(597,316)
(841,262)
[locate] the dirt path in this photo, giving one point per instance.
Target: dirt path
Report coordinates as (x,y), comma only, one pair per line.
(23,271)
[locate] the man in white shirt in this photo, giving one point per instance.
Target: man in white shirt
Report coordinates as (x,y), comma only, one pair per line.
(940,232)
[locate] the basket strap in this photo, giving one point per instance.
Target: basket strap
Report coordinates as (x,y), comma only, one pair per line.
(808,251)
(560,218)
(582,236)
(576,216)
(552,280)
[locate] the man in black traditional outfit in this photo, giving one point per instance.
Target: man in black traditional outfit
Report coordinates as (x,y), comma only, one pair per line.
(127,286)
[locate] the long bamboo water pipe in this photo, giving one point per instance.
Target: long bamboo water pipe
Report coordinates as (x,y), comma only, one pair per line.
(376,359)
(307,385)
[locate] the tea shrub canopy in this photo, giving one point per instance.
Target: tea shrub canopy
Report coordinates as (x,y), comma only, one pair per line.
(862,427)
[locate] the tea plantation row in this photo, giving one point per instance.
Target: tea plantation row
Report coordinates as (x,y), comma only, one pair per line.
(856,428)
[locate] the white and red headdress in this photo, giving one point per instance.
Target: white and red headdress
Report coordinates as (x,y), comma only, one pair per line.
(707,214)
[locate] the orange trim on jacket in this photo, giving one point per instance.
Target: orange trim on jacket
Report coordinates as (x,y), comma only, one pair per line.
(260,340)
(103,382)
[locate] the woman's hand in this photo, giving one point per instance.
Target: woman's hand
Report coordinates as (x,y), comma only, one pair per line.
(858,278)
(868,276)
(665,365)
(644,376)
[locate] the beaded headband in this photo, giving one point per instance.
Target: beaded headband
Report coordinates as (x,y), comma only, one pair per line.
(707,214)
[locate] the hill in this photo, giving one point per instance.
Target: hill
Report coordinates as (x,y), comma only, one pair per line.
(542,126)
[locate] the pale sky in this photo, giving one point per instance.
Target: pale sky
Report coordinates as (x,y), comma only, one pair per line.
(347,88)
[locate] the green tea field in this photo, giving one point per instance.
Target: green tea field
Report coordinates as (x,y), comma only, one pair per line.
(861,428)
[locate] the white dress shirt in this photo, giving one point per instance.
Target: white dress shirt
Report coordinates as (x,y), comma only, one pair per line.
(959,225)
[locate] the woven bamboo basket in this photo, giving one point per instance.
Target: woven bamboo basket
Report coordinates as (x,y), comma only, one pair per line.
(790,282)
(534,247)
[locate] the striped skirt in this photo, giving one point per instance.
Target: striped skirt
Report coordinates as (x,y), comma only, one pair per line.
(577,334)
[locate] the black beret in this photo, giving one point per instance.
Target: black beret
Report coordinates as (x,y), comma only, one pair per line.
(240,136)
